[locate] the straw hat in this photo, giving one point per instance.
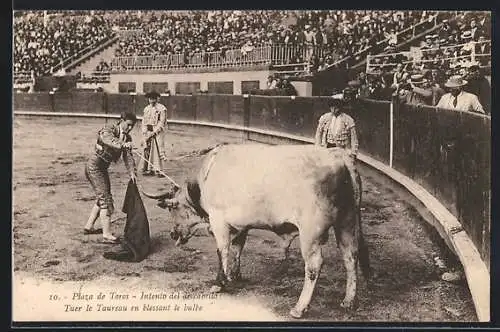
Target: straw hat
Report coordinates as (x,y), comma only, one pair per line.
(467,35)
(455,81)
(417,79)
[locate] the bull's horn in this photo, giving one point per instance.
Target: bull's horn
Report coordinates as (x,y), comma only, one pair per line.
(167,195)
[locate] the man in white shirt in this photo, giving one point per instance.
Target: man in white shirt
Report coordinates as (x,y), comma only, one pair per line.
(457,99)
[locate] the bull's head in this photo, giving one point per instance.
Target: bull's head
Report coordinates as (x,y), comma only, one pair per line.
(184,213)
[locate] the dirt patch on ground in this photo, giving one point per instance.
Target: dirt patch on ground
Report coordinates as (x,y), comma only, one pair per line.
(52,199)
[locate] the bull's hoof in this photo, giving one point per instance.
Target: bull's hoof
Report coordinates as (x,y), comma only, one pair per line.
(349,304)
(215,289)
(235,277)
(296,313)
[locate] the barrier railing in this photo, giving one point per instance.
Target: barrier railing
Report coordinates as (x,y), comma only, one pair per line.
(22,77)
(94,77)
(263,55)
(440,56)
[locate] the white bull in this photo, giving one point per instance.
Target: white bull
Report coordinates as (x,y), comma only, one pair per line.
(290,190)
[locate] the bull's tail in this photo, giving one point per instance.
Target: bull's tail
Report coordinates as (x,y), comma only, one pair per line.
(203,152)
(363,254)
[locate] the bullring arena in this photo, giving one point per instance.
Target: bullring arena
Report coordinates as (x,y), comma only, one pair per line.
(50,250)
(415,217)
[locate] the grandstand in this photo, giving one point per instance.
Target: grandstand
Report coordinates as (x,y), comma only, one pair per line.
(298,45)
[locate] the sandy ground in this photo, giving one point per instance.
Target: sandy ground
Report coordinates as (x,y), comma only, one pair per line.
(53,260)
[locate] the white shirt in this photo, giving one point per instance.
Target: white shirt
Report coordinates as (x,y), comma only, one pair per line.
(334,126)
(465,102)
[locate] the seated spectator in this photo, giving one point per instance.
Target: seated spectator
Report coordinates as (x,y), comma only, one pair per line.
(271,82)
(288,88)
(457,99)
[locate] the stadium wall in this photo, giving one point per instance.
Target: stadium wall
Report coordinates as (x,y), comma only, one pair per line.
(441,157)
(183,83)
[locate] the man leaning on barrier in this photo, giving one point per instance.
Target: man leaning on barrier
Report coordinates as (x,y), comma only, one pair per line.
(336,128)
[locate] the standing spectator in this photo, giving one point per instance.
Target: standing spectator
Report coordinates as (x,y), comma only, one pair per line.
(375,87)
(474,29)
(398,75)
(364,90)
(457,99)
(308,36)
(479,86)
(419,92)
(483,50)
(436,85)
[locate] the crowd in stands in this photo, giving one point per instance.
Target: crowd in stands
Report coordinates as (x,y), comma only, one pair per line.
(319,38)
(42,41)
(422,87)
(418,76)
(327,35)
(451,47)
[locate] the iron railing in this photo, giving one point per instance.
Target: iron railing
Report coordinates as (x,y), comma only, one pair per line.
(442,55)
(276,55)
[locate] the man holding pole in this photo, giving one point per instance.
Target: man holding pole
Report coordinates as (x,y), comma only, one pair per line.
(337,129)
(153,125)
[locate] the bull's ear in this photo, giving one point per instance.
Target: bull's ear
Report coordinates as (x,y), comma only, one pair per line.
(193,190)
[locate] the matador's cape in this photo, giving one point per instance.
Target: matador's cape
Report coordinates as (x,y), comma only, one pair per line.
(135,243)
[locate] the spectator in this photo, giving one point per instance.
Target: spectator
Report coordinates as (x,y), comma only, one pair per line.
(398,75)
(288,88)
(457,99)
(376,87)
(417,91)
(271,82)
(364,90)
(479,86)
(436,85)
(483,51)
